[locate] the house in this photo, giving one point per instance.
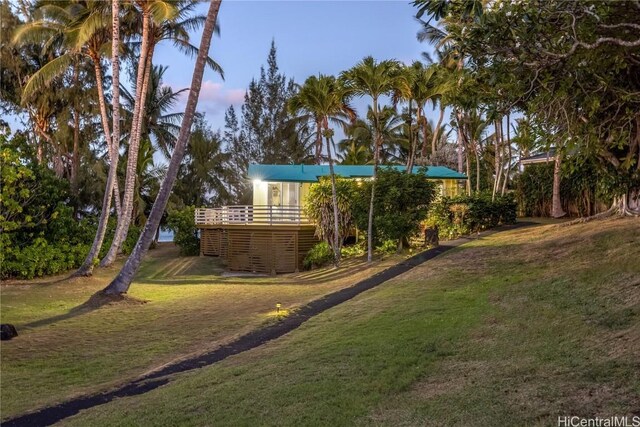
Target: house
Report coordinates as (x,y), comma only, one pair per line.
(545,157)
(273,235)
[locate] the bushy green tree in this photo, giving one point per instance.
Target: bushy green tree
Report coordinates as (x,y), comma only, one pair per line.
(401,204)
(182,223)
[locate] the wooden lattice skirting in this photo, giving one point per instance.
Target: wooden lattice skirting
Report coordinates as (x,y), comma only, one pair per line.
(256,249)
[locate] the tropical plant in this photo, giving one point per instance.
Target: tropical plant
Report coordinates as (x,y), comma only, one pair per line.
(323,99)
(374,79)
(319,207)
(401,204)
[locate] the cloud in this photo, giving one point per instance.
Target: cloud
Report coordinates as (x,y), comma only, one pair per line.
(214,97)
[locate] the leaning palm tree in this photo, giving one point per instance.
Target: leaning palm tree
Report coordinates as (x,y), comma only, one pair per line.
(122,281)
(374,79)
(324,99)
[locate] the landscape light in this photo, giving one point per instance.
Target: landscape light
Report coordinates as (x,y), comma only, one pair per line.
(278,305)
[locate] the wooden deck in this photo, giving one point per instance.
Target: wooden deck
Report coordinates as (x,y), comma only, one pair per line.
(256,240)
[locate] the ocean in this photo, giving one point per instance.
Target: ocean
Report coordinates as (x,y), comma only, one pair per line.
(166,235)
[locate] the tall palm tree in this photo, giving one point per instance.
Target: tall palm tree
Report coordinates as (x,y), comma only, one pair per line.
(122,281)
(374,79)
(324,99)
(172,21)
(87,266)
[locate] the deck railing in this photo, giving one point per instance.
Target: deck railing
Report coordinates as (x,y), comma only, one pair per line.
(257,215)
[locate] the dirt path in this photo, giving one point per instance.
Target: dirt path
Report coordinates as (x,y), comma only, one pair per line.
(52,414)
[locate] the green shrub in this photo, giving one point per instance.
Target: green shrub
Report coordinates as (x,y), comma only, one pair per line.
(353,250)
(401,203)
(318,256)
(456,216)
(387,247)
(182,223)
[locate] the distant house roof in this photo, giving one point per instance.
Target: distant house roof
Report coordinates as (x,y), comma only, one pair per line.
(311,173)
(545,157)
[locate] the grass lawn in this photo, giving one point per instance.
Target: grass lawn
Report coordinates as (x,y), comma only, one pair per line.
(512,329)
(64,351)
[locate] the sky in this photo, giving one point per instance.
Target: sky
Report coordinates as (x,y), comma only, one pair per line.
(311,37)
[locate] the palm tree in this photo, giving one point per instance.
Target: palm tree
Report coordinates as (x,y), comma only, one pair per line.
(374,79)
(123,280)
(87,266)
(324,99)
(163,127)
(78,32)
(172,21)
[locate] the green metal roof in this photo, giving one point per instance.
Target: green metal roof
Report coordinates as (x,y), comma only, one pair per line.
(311,173)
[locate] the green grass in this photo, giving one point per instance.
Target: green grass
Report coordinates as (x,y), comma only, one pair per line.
(512,329)
(62,351)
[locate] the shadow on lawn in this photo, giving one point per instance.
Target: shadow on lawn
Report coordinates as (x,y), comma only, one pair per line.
(313,277)
(95,302)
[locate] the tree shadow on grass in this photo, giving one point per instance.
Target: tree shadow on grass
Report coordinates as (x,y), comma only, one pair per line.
(96,301)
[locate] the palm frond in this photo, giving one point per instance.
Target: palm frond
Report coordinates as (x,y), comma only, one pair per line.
(46,74)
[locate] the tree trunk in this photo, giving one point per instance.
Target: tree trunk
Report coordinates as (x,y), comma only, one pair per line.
(123,280)
(105,124)
(505,182)
(466,155)
(87,267)
(75,161)
(497,136)
(460,144)
(412,148)
(477,154)
(425,137)
(124,220)
(376,158)
(556,202)
(436,131)
(318,143)
(334,198)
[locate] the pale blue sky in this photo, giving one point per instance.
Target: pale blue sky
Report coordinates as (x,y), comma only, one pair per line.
(311,37)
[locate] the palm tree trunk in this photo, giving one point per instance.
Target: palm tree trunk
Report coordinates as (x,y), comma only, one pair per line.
(466,155)
(556,201)
(497,144)
(436,131)
(334,199)
(477,154)
(376,159)
(105,126)
(412,148)
(124,220)
(505,182)
(86,268)
(123,280)
(318,142)
(425,137)
(75,161)
(460,143)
